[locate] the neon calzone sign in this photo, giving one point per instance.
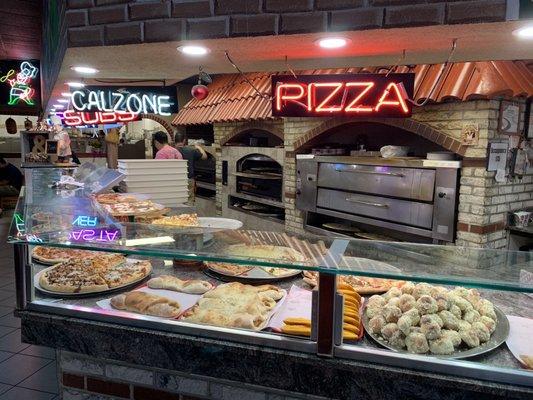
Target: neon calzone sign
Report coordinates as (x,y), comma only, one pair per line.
(133,100)
(350,95)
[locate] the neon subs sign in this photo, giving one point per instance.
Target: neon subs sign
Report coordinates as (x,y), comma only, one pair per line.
(132,100)
(76,118)
(350,95)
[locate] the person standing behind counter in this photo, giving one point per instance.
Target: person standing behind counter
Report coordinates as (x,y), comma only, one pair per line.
(164,150)
(191,154)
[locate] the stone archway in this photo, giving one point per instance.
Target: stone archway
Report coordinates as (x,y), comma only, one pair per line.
(406,124)
(165,123)
(264,126)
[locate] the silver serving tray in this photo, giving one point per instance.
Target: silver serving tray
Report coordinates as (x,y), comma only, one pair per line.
(496,339)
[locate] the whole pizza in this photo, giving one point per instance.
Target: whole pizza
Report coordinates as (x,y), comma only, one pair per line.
(54,255)
(96,274)
(361,284)
(276,253)
(132,208)
(112,198)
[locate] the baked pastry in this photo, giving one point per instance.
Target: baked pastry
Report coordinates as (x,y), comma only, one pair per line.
(192,286)
(440,321)
(235,305)
(182,220)
(147,303)
(93,274)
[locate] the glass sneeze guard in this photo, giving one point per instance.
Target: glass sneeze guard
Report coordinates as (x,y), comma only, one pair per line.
(72,219)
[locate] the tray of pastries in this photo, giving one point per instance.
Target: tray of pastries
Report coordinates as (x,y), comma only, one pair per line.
(426,319)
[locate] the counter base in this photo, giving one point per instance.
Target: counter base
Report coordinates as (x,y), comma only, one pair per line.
(117,360)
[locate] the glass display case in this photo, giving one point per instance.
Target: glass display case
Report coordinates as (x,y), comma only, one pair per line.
(329,296)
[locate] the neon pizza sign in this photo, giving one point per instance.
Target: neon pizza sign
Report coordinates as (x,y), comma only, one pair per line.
(350,95)
(133,100)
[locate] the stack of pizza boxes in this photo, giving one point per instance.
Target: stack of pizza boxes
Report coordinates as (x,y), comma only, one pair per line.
(165,181)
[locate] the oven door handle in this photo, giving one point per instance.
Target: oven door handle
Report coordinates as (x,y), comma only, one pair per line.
(366,203)
(395,174)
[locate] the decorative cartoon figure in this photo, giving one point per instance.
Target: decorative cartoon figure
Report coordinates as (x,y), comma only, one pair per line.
(20,87)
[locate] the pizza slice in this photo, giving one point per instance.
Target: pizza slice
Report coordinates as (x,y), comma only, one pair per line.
(228,269)
(127,273)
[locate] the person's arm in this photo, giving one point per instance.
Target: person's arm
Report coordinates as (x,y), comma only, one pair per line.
(203,153)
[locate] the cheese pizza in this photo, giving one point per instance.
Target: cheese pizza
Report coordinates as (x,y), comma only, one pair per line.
(182,220)
(268,252)
(54,255)
(132,208)
(361,284)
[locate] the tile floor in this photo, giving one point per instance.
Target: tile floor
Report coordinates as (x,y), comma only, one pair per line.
(26,372)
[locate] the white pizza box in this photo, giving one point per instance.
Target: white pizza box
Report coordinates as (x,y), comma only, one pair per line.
(152,164)
(152,183)
(161,179)
(153,171)
(171,196)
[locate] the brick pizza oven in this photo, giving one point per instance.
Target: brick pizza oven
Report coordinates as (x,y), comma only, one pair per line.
(468,93)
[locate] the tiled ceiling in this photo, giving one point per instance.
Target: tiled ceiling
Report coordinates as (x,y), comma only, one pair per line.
(20,29)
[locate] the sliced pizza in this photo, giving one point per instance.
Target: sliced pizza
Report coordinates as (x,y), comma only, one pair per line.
(54,255)
(182,220)
(112,198)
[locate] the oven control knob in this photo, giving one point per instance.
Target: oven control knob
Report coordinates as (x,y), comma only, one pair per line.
(442,195)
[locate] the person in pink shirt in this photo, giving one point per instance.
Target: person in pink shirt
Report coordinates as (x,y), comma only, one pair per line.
(164,150)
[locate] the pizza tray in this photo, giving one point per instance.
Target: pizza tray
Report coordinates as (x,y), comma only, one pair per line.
(255,275)
(130,285)
(496,339)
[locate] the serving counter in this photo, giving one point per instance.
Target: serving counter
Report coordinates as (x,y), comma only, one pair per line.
(207,344)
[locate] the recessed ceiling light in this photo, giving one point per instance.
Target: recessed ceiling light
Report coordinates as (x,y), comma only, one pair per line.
(59,106)
(66,94)
(62,101)
(193,50)
(332,42)
(526,32)
(76,84)
(84,70)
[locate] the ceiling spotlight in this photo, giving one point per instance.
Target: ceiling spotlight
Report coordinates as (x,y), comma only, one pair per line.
(62,101)
(76,84)
(332,42)
(66,94)
(59,106)
(193,50)
(526,32)
(84,70)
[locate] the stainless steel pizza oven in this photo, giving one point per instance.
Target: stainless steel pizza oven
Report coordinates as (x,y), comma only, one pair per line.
(260,176)
(406,196)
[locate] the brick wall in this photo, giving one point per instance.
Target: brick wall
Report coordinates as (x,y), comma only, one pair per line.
(111,22)
(82,377)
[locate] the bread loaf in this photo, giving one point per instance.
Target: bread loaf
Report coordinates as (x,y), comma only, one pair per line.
(146,303)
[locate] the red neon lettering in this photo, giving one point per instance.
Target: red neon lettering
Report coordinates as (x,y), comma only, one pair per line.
(75,118)
(72,118)
(311,95)
(354,106)
(106,117)
(124,116)
(393,87)
(283,96)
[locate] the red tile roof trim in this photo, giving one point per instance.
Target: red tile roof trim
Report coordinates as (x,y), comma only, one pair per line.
(232,99)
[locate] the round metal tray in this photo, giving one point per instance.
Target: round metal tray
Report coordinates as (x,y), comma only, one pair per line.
(496,339)
(131,285)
